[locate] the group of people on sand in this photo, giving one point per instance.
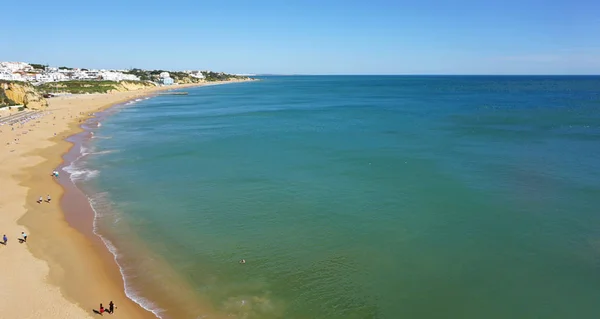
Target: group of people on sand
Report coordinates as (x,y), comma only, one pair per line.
(48,198)
(110,309)
(21,240)
(41,199)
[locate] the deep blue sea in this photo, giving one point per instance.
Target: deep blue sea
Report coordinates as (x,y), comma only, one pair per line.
(356,197)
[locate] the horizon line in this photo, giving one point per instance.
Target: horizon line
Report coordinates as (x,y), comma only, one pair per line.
(415,74)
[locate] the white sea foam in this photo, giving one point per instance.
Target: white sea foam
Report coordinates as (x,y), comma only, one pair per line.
(134,101)
(90,150)
(102,137)
(101,152)
(99,200)
(80,174)
(105,152)
(83,150)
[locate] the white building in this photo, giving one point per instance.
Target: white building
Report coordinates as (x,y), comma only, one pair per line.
(118,76)
(51,77)
(196,74)
(15,66)
(13,71)
(43,78)
(110,76)
(9,76)
(21,71)
(163,75)
(129,77)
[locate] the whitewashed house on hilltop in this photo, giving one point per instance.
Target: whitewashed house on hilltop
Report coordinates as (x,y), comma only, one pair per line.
(15,66)
(6,75)
(165,78)
(197,74)
(92,74)
(83,75)
(109,76)
(118,76)
(9,76)
(51,77)
(130,77)
(43,78)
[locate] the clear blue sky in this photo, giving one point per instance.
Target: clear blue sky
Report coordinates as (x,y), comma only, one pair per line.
(308,36)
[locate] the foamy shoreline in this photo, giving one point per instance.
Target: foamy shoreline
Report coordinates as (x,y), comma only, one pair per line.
(62,274)
(74,174)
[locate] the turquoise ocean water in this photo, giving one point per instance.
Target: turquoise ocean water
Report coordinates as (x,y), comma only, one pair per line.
(356,197)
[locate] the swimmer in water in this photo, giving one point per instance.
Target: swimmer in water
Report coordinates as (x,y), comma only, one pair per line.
(243,261)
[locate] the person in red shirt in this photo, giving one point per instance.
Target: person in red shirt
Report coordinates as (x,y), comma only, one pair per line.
(101,309)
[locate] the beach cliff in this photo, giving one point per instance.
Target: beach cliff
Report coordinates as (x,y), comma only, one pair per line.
(21,93)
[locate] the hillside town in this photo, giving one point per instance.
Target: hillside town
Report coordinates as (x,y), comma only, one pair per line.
(38,74)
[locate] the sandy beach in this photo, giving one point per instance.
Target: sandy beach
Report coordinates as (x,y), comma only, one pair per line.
(59,272)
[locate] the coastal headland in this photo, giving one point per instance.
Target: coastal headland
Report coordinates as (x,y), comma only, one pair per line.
(59,272)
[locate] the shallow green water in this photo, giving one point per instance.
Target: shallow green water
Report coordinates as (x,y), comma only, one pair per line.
(362,197)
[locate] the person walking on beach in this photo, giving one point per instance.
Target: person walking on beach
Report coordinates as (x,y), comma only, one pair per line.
(101,309)
(4,239)
(41,199)
(111,307)
(49,198)
(24,236)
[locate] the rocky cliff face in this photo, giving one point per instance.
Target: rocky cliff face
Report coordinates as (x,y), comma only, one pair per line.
(21,93)
(131,86)
(188,80)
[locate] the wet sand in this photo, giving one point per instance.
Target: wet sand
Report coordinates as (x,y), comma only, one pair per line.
(62,271)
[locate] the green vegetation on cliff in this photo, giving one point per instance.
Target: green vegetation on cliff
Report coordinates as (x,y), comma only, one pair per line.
(154,75)
(214,76)
(182,77)
(78,87)
(82,87)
